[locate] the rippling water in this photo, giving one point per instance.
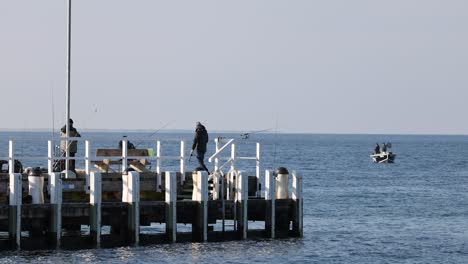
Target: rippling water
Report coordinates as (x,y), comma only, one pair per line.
(413,211)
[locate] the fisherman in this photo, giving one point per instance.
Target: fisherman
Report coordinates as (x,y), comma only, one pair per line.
(72,144)
(199,142)
(377,148)
(384,147)
(129,144)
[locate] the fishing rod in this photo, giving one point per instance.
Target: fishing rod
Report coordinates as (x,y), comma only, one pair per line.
(246,135)
(152,134)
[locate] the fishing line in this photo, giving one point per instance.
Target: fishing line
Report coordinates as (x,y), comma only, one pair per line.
(138,142)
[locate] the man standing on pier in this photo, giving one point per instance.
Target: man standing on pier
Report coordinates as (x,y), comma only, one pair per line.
(199,142)
(72,144)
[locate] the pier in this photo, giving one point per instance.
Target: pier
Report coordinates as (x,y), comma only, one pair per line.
(117,201)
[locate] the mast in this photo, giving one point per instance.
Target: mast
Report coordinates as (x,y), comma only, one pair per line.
(67,155)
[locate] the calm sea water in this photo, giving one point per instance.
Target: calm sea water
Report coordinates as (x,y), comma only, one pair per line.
(413,211)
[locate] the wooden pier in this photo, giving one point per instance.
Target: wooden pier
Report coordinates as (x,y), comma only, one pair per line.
(103,209)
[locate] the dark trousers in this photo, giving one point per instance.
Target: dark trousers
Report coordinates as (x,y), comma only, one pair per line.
(61,163)
(201,163)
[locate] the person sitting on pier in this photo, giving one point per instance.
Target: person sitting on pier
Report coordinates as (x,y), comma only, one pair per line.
(72,144)
(199,142)
(376,148)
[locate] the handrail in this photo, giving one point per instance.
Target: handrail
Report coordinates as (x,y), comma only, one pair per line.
(220,150)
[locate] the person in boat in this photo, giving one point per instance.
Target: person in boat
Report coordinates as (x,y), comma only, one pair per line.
(72,144)
(376,148)
(384,147)
(199,143)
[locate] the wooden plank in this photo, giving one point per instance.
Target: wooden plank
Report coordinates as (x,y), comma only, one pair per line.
(118,152)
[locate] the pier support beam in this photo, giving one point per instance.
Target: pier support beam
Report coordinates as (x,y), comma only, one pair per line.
(171,210)
(14,216)
(55,228)
(200,224)
(297,226)
(242,196)
(131,196)
(270,196)
(95,199)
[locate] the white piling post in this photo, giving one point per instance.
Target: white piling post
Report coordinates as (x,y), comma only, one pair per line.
(201,225)
(87,165)
(242,197)
(231,183)
(56,207)
(124,154)
(257,169)
(270,195)
(171,210)
(95,200)
(298,202)
(14,217)
(132,196)
(182,162)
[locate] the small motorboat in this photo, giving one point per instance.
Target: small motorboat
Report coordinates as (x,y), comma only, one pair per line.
(383,156)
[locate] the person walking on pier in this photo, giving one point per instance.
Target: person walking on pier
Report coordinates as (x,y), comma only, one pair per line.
(72,144)
(199,142)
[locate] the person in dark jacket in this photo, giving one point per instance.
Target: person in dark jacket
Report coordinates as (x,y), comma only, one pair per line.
(377,148)
(199,143)
(384,147)
(72,144)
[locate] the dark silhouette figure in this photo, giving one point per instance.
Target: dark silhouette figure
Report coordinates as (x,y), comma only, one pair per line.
(377,148)
(72,145)
(199,143)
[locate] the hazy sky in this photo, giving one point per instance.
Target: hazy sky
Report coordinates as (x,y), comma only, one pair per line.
(396,66)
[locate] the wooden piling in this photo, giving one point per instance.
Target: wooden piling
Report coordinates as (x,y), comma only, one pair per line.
(270,196)
(171,210)
(95,199)
(131,196)
(297,226)
(14,212)
(55,229)
(200,221)
(241,201)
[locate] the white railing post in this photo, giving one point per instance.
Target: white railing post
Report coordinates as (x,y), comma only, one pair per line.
(14,217)
(87,164)
(158,166)
(298,203)
(158,157)
(171,203)
(233,156)
(270,196)
(257,169)
(11,157)
(242,197)
(50,158)
(182,162)
(95,200)
(124,154)
(216,173)
(56,207)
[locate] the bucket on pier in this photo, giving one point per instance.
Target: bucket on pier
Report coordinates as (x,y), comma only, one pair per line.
(36,185)
(282,183)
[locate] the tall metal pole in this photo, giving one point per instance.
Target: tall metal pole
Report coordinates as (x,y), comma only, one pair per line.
(67,155)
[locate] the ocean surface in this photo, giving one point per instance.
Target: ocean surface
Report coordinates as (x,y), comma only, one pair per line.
(355,211)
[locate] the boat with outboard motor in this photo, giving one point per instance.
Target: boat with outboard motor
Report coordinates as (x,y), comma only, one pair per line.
(383,156)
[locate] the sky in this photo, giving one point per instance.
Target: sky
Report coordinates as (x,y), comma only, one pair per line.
(296,66)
